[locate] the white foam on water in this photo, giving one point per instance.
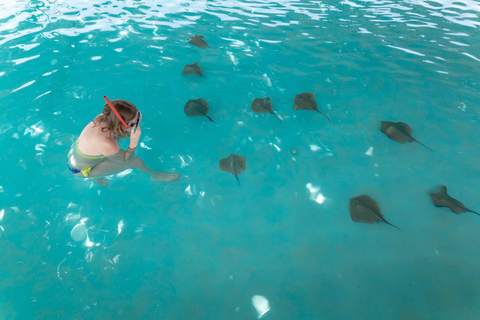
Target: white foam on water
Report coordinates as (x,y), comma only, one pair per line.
(120,226)
(369,151)
(314,147)
(79,232)
(260,303)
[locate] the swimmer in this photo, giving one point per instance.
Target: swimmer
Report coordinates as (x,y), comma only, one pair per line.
(96,152)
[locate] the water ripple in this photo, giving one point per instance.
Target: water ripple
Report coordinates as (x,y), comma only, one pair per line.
(365,60)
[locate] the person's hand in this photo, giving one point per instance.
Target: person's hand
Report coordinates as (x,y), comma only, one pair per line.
(135,136)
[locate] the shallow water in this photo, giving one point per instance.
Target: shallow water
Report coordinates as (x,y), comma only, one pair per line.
(203,246)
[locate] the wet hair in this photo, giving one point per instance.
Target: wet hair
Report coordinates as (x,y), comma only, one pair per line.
(127,110)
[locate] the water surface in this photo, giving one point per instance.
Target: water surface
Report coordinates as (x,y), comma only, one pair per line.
(201,247)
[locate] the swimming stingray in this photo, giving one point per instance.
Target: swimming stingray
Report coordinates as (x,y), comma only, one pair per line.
(192,69)
(400,132)
(234,164)
(442,199)
(263,105)
(198,41)
(305,101)
(365,209)
(197,107)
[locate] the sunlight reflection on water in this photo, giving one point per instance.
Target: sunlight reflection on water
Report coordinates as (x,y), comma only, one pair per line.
(286,230)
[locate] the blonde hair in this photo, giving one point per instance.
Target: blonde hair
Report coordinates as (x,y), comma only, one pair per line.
(127,110)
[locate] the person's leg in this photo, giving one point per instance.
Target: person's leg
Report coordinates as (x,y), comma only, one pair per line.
(101,181)
(154,175)
(107,167)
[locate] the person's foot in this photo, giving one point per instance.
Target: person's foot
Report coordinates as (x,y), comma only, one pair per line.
(163,176)
(101,181)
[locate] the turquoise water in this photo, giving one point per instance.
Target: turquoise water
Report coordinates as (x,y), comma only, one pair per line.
(201,247)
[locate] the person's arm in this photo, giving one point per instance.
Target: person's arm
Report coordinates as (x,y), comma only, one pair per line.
(116,154)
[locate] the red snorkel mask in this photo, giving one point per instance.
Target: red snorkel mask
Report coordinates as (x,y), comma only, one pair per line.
(116,112)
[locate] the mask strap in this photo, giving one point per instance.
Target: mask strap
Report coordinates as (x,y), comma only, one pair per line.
(116,112)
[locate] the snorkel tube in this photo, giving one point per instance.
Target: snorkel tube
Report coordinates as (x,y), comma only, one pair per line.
(116,112)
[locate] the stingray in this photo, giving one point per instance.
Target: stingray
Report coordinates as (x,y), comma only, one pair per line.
(305,101)
(192,69)
(365,209)
(197,107)
(263,105)
(400,132)
(442,199)
(234,164)
(198,41)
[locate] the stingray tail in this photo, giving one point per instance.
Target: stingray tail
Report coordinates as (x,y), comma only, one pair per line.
(422,144)
(324,115)
(473,212)
(236,176)
(276,116)
(211,119)
(390,224)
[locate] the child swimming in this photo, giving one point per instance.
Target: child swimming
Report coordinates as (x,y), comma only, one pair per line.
(96,152)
